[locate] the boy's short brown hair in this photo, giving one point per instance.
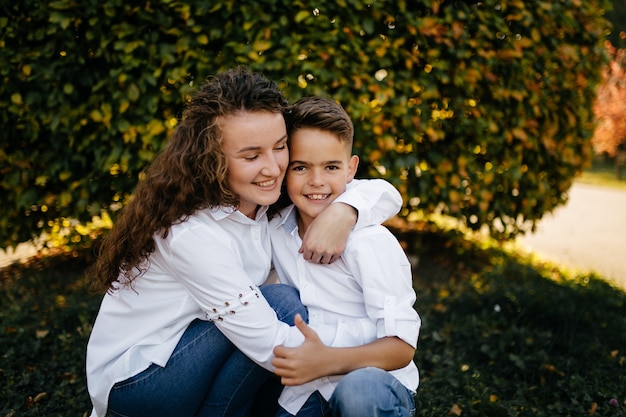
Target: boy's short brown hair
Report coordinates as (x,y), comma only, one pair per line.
(320,113)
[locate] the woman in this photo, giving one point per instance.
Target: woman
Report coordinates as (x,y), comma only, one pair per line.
(183,264)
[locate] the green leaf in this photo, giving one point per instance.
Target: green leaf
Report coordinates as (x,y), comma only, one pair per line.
(302,15)
(61,19)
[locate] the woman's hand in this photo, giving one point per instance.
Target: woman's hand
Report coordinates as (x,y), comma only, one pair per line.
(326,237)
(304,363)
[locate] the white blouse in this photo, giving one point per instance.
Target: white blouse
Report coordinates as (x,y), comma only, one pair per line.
(366,294)
(208,267)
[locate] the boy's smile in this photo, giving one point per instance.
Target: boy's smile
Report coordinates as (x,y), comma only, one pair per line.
(320,167)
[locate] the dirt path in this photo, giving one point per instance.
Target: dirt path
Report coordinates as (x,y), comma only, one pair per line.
(587,234)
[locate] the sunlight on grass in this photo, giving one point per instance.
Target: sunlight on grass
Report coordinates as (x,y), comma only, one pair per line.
(515,337)
(603,173)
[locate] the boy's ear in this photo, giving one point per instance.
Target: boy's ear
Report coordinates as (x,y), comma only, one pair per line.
(353,164)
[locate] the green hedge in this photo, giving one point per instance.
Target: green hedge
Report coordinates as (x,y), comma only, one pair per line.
(479,110)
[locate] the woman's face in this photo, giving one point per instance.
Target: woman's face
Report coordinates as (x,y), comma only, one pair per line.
(255,145)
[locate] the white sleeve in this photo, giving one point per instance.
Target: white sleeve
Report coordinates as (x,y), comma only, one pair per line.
(375,201)
(380,266)
(221,287)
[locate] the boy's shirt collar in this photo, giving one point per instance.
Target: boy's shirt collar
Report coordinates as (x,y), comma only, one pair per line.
(288,218)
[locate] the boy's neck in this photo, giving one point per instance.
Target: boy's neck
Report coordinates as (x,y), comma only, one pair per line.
(302,225)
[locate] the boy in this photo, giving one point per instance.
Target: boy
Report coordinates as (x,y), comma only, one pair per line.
(363,296)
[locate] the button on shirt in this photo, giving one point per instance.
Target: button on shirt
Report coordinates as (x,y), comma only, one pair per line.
(365,295)
(208,267)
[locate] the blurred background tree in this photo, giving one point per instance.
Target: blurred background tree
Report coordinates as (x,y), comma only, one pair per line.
(478,110)
(617,16)
(610,107)
(609,138)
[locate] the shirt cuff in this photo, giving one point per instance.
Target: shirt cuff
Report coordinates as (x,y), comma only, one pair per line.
(402,327)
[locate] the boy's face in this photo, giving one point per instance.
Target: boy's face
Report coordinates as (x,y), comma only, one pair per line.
(255,145)
(320,166)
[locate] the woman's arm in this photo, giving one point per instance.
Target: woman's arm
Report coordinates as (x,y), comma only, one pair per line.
(326,237)
(365,202)
(223,286)
(313,359)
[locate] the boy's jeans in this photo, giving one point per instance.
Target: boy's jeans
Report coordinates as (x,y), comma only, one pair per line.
(368,392)
(206,375)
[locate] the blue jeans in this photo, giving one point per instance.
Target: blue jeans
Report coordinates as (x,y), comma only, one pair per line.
(206,374)
(368,392)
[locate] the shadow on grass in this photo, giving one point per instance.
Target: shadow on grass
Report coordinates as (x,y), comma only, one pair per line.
(45,321)
(500,337)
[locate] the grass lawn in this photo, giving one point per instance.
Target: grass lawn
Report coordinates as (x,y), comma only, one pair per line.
(45,321)
(500,336)
(504,337)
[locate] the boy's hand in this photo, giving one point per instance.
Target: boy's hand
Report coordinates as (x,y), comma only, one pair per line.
(304,363)
(326,237)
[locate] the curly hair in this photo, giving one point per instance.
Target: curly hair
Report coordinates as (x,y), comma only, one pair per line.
(191,173)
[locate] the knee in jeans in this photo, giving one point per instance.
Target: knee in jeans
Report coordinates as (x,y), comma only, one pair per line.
(361,378)
(353,388)
(279,291)
(362,391)
(285,300)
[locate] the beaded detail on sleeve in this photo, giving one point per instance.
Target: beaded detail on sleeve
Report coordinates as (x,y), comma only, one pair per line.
(230,308)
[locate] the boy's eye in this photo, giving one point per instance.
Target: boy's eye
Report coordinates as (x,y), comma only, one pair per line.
(298,168)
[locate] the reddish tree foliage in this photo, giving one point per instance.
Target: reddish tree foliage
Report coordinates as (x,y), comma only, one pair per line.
(610,106)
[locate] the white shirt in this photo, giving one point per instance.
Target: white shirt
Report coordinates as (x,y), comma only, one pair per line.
(365,295)
(217,256)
